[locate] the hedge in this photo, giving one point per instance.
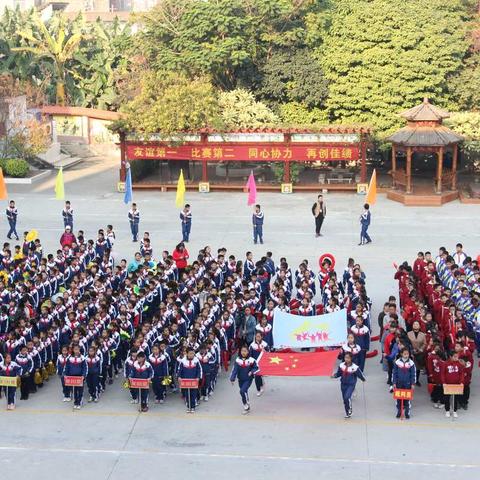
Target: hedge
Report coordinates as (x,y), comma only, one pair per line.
(16,167)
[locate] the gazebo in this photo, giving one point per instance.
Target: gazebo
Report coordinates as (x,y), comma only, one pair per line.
(425,133)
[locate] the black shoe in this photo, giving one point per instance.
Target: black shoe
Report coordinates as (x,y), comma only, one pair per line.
(18,238)
(407,416)
(398,415)
(418,384)
(9,237)
(360,244)
(369,241)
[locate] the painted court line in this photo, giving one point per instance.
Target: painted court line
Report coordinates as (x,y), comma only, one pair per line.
(234,456)
(447,424)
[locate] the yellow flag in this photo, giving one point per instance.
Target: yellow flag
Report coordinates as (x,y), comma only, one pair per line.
(180,198)
(372,189)
(59,186)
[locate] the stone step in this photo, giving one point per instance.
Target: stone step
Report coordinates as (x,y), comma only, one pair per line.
(66,161)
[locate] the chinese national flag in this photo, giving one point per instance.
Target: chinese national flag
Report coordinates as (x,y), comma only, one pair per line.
(316,364)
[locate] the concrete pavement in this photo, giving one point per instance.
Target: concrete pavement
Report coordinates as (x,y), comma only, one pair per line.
(296,430)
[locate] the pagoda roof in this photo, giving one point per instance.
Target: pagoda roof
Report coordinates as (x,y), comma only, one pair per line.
(418,136)
(425,112)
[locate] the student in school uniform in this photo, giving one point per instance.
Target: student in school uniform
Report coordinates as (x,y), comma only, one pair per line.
(190,368)
(348,372)
(256,348)
(404,377)
(350,347)
(453,373)
(244,370)
(435,360)
(362,337)
(127,367)
(365,219)
(12,214)
(159,363)
(186,219)
(61,364)
(94,364)
(257,221)
(9,368)
(134,219)
(67,215)
(25,362)
(76,367)
(142,369)
(205,358)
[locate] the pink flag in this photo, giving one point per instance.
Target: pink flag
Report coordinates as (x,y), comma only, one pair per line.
(252,190)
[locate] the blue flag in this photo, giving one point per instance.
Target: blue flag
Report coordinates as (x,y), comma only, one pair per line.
(128,188)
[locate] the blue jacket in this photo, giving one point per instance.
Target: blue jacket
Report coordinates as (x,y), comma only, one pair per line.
(190,368)
(76,366)
(349,375)
(94,364)
(159,365)
(10,370)
(25,363)
(362,336)
(365,218)
(404,373)
(257,219)
(144,371)
(244,369)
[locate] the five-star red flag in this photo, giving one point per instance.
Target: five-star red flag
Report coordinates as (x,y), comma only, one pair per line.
(316,364)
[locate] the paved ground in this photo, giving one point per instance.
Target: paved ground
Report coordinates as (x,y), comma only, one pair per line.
(296,430)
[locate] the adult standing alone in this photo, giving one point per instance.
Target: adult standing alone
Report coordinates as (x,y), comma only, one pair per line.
(319,211)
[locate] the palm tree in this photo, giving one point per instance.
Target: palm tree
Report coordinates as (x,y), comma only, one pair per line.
(57,44)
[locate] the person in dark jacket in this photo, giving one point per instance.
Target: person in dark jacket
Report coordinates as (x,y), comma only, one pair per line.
(404,377)
(257,221)
(348,372)
(12,214)
(244,370)
(94,363)
(190,368)
(319,211)
(8,368)
(365,219)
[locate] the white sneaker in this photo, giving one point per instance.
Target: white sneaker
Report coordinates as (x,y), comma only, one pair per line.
(260,392)
(447,414)
(65,399)
(161,401)
(133,401)
(95,400)
(69,399)
(455,415)
(205,398)
(436,405)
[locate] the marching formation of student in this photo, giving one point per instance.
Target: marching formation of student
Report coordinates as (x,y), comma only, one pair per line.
(348,372)
(186,219)
(435,326)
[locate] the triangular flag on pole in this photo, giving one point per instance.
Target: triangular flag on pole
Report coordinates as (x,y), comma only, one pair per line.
(372,190)
(252,190)
(128,197)
(3,187)
(180,197)
(59,186)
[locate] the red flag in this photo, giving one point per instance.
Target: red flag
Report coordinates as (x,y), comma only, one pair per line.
(252,189)
(316,364)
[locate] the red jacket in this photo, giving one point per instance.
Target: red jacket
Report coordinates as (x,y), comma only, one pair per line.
(67,239)
(434,369)
(453,373)
(180,258)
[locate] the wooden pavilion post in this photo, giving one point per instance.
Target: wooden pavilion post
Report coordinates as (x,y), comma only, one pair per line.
(439,170)
(394,164)
(454,166)
(123,157)
(409,169)
(363,161)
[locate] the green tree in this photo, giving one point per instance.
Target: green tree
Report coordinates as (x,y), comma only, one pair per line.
(172,104)
(239,109)
(465,85)
(382,56)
